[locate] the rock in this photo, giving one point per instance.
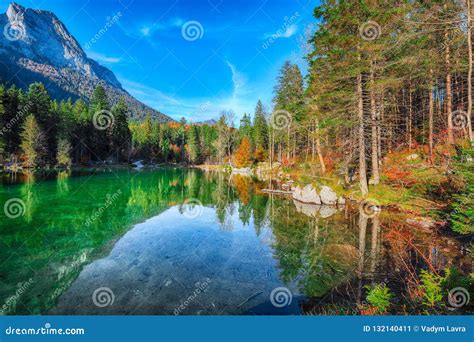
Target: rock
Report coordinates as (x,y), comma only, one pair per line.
(242,171)
(327,211)
(310,210)
(307,195)
(328,196)
(341,201)
(138,164)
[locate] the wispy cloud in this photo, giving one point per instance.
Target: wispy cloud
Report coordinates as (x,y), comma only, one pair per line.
(239,81)
(288,32)
(103,58)
(148,30)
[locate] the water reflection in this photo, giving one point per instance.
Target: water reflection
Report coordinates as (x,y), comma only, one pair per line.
(126,230)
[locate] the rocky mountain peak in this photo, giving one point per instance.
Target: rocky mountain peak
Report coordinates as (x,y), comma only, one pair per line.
(40,45)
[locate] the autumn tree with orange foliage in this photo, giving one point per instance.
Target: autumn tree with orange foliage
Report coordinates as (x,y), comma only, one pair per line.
(244,153)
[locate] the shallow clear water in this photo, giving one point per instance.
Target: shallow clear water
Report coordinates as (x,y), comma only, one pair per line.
(138,242)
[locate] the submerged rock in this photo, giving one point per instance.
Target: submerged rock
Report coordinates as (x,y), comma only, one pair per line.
(307,209)
(327,211)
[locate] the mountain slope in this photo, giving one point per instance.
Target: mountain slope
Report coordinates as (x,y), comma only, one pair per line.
(36,47)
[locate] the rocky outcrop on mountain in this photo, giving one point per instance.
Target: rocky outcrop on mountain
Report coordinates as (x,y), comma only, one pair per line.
(37,47)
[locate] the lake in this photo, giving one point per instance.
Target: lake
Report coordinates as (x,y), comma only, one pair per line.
(181,241)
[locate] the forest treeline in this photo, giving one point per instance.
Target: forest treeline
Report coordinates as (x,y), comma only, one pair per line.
(383,76)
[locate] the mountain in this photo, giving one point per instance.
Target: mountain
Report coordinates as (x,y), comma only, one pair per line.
(36,47)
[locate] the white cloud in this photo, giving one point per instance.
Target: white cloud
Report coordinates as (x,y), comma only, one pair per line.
(103,58)
(241,100)
(289,32)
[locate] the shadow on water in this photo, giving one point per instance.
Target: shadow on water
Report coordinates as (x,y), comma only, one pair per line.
(143,237)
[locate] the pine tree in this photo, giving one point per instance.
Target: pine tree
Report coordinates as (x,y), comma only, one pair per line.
(260,128)
(193,144)
(120,133)
(33,142)
(63,155)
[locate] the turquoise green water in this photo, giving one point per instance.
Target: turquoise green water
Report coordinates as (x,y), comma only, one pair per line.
(144,237)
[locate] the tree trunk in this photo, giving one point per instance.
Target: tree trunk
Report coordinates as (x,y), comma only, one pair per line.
(449,95)
(430,119)
(318,149)
(373,116)
(470,14)
(360,115)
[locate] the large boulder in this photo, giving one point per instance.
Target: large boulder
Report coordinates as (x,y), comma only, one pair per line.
(328,196)
(307,195)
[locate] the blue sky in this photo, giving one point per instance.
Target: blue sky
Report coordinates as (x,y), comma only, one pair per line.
(233,62)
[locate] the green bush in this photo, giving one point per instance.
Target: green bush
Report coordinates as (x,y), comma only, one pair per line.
(462,206)
(431,285)
(379,296)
